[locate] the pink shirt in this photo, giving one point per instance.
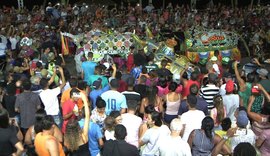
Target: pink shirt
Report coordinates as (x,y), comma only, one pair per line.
(265,135)
(67,108)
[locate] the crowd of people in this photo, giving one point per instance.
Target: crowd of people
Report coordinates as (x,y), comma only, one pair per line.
(136,108)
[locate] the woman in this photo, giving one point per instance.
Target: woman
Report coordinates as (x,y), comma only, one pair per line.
(76,139)
(219,112)
(35,129)
(172,102)
(204,141)
(152,99)
(9,142)
(151,136)
(263,141)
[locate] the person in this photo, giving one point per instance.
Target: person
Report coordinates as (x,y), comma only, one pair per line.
(109,125)
(27,103)
(98,75)
(263,142)
(98,114)
(119,147)
(117,117)
(231,101)
(204,142)
(94,135)
(132,123)
(214,60)
(141,87)
(73,82)
(70,109)
(130,94)
(226,124)
(172,102)
(9,100)
(201,103)
(35,129)
(75,138)
(244,86)
(243,134)
(98,90)
(243,149)
(173,144)
(263,73)
(152,99)
(88,67)
(152,135)
(210,90)
(114,100)
(226,77)
(187,83)
(45,143)
(49,96)
(191,119)
(9,142)
(219,112)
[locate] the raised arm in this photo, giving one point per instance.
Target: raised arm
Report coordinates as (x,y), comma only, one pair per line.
(62,77)
(238,77)
(87,116)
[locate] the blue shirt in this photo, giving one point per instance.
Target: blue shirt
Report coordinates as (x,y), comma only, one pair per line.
(115,101)
(201,105)
(94,134)
(88,68)
(96,93)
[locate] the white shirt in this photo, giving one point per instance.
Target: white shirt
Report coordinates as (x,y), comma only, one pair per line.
(243,135)
(216,68)
(132,124)
(50,100)
(109,135)
(231,103)
(173,146)
(192,119)
(2,49)
(151,138)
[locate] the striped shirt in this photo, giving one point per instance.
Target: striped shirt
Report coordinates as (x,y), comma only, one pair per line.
(208,92)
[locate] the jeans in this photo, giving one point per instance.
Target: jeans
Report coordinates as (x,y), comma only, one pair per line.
(58,120)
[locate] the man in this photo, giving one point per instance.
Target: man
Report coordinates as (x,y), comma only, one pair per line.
(263,73)
(210,90)
(114,99)
(70,109)
(66,94)
(227,76)
(132,123)
(45,142)
(163,71)
(231,101)
(119,147)
(243,134)
(141,87)
(88,67)
(187,83)
(201,103)
(192,119)
(97,75)
(27,103)
(49,96)
(98,90)
(95,136)
(130,94)
(173,144)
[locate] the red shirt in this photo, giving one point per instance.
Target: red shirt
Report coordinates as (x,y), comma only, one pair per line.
(186,91)
(67,108)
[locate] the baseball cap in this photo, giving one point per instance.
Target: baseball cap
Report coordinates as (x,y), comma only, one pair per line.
(262,72)
(242,119)
(229,86)
(97,83)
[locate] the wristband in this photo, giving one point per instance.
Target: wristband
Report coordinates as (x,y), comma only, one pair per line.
(225,137)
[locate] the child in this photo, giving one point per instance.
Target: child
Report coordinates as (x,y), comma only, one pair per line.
(98,114)
(109,128)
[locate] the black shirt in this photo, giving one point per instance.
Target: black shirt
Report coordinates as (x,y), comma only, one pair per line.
(119,148)
(141,89)
(9,105)
(8,140)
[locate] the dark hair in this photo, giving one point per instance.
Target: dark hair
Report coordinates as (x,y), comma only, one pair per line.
(131,81)
(163,62)
(149,109)
(47,122)
(11,89)
(40,114)
(115,114)
(43,83)
(114,83)
(73,90)
(4,119)
(151,94)
(26,84)
(173,86)
(143,78)
(156,117)
(192,100)
(83,111)
(194,76)
(39,64)
(100,103)
(118,75)
(144,70)
(226,124)
(82,84)
(205,81)
(132,104)
(120,132)
(250,77)
(73,82)
(194,89)
(90,54)
(207,126)
(98,69)
(244,149)
(72,134)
